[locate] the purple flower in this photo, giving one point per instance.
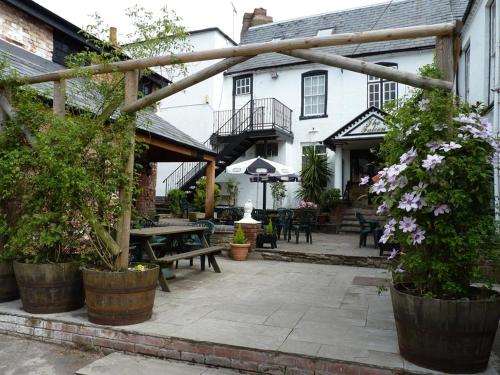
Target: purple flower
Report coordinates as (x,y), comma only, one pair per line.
(408,157)
(433,146)
(408,224)
(423,105)
(441,209)
(379,187)
(364,180)
(420,187)
(389,228)
(382,209)
(450,146)
(394,252)
(402,182)
(418,236)
(421,202)
(409,202)
(399,269)
(432,161)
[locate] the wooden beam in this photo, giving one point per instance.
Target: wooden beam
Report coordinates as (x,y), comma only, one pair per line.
(411,32)
(59,100)
(445,57)
(173,147)
(210,190)
(369,68)
(184,83)
(125,195)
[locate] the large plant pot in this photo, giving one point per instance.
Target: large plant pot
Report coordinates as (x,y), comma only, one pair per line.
(49,288)
(454,336)
(8,285)
(120,298)
(239,251)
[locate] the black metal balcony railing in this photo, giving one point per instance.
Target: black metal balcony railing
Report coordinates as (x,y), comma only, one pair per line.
(255,115)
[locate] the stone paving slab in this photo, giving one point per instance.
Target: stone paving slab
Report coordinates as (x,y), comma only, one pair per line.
(278,313)
(123,364)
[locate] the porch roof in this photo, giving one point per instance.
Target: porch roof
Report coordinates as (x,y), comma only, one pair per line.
(367,125)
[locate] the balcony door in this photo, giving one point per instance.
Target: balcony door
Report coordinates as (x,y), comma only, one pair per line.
(242,95)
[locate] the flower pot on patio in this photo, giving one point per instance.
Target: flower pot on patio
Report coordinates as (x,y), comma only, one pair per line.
(454,336)
(49,288)
(120,298)
(8,285)
(239,251)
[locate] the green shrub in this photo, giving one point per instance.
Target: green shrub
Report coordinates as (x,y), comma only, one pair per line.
(315,175)
(330,199)
(200,194)
(269,227)
(239,236)
(174,201)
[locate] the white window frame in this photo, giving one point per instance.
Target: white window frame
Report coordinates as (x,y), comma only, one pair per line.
(243,86)
(377,89)
(467,73)
(314,94)
(492,25)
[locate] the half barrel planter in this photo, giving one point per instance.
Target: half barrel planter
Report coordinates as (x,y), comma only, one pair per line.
(453,336)
(8,284)
(50,288)
(120,298)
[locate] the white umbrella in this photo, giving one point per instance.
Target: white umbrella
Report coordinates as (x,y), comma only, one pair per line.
(263,170)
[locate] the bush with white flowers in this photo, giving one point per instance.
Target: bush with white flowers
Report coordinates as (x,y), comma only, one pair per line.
(437,191)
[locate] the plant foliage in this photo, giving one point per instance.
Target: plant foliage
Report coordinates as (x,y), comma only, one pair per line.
(330,198)
(315,175)
(174,201)
(239,236)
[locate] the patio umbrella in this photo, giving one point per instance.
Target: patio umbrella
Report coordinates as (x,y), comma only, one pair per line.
(263,170)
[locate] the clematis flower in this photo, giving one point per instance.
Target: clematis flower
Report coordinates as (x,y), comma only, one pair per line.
(364,180)
(382,209)
(433,146)
(399,269)
(402,182)
(418,236)
(409,202)
(423,105)
(394,252)
(408,224)
(379,187)
(441,209)
(450,146)
(408,157)
(432,161)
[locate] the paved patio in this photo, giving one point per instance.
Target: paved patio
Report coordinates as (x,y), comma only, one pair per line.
(309,310)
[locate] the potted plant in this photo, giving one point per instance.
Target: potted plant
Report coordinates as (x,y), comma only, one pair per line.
(269,236)
(436,190)
(239,246)
(8,285)
(174,201)
(330,202)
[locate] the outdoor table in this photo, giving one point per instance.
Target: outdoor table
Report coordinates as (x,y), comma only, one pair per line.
(144,235)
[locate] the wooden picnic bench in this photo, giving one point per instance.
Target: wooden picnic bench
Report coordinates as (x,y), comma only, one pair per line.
(145,234)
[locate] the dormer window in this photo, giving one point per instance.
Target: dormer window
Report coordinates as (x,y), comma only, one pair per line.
(325,32)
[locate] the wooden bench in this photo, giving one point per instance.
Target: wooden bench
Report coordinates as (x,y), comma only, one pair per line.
(168,261)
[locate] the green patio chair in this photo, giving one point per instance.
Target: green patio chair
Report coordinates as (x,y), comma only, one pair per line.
(367,227)
(305,222)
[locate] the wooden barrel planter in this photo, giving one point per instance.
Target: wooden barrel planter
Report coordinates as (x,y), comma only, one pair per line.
(453,336)
(49,288)
(8,285)
(120,298)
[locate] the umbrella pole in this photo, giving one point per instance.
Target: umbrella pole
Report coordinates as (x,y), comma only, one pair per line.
(264,193)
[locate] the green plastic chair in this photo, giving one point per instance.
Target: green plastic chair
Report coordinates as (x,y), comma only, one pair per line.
(306,220)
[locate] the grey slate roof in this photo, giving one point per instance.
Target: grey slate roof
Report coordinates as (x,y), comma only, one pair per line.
(26,63)
(399,14)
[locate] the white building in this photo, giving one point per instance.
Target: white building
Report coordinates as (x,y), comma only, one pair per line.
(479,70)
(192,109)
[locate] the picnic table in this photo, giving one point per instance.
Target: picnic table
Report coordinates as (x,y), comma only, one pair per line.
(144,235)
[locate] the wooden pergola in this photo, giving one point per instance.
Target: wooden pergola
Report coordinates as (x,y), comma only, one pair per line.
(447,55)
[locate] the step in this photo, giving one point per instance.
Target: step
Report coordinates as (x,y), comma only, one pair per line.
(124,364)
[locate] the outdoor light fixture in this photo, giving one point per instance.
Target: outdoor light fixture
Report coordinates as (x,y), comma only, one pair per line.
(274,75)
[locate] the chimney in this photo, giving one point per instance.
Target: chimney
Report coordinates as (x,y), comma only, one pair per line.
(113,38)
(258,17)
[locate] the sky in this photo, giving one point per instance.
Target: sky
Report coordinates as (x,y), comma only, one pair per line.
(195,14)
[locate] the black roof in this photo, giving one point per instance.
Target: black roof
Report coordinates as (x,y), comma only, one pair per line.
(26,64)
(395,14)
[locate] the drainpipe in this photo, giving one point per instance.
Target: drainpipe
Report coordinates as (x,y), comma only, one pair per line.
(496,114)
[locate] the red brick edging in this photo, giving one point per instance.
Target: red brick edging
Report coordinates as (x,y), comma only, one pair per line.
(115,339)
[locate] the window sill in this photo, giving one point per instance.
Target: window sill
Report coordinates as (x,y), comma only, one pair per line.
(312,117)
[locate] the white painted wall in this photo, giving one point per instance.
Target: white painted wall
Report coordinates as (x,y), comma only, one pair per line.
(347,98)
(475,34)
(191,110)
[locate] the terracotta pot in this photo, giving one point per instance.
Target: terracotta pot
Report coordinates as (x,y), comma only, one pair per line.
(239,251)
(120,298)
(49,288)
(453,336)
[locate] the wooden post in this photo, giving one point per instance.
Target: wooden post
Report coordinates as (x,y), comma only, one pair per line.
(365,67)
(125,196)
(59,101)
(210,190)
(445,57)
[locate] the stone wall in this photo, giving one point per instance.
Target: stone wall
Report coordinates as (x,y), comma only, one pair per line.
(145,203)
(26,32)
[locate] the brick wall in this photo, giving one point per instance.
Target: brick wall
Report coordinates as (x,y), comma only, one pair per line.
(145,201)
(26,32)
